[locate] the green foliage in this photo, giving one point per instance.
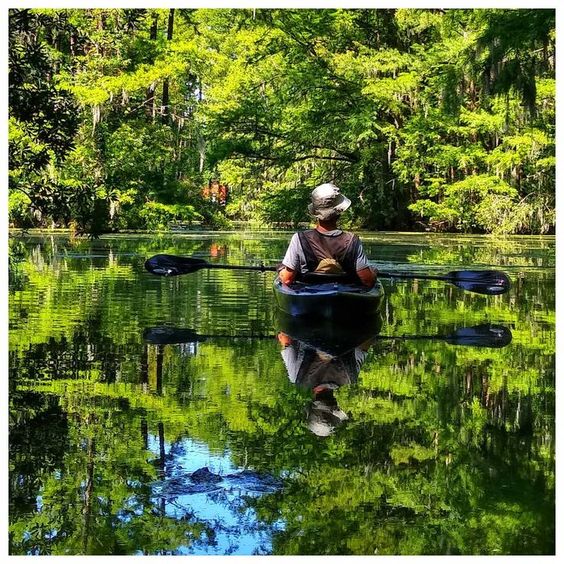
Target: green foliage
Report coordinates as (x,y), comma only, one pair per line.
(510,59)
(284,205)
(479,202)
(159,216)
(19,210)
(43,116)
(393,105)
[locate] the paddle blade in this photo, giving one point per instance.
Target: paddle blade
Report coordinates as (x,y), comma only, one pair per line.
(170,336)
(171,265)
(486,335)
(490,282)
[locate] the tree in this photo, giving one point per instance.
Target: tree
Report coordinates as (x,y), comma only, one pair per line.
(43,118)
(396,106)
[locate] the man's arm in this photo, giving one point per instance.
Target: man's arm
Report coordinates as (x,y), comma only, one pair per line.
(287,275)
(291,261)
(364,271)
(367,276)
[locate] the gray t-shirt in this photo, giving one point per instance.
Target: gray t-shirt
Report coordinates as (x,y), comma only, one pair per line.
(295,257)
(294,355)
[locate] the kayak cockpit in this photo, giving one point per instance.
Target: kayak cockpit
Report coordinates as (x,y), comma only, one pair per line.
(328,300)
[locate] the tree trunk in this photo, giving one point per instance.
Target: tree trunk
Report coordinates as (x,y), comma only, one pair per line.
(201,140)
(150,92)
(101,25)
(415,187)
(166,101)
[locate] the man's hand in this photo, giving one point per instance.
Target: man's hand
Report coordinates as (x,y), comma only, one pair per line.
(287,275)
(283,339)
(367,276)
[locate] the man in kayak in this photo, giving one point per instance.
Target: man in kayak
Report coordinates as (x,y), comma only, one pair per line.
(327,249)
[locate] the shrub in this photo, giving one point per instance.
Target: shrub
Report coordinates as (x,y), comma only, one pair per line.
(480,202)
(19,210)
(157,216)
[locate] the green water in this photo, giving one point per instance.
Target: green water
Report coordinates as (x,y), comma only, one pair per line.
(423,446)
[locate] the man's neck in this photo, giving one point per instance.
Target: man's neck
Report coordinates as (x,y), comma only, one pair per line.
(329,225)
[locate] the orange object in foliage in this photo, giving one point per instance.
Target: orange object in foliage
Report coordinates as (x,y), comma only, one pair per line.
(216,192)
(222,194)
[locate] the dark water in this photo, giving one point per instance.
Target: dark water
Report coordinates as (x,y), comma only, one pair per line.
(128,436)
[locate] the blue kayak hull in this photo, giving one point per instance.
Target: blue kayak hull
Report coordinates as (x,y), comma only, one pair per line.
(328,300)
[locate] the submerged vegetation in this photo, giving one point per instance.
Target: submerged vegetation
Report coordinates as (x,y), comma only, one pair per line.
(428,119)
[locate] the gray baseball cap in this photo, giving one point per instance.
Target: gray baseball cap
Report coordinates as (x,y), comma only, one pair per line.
(327,202)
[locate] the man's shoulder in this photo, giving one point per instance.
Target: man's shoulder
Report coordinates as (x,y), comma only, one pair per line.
(294,244)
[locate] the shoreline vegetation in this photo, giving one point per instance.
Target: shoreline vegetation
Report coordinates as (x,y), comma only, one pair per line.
(430,120)
(15,233)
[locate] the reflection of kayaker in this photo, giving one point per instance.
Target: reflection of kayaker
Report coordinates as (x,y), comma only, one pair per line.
(323,373)
(328,336)
(309,367)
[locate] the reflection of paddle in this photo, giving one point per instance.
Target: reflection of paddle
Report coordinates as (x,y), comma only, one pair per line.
(486,335)
(164,335)
(490,282)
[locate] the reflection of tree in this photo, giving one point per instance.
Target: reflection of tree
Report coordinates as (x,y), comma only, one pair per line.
(100,499)
(88,493)
(38,436)
(399,460)
(403,473)
(447,449)
(57,282)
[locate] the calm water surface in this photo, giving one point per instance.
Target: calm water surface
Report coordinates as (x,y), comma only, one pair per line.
(171,416)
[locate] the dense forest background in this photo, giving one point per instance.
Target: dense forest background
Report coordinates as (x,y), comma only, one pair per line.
(428,119)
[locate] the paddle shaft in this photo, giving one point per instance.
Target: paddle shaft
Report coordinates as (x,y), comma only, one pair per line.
(483,282)
(390,275)
(263,268)
(420,276)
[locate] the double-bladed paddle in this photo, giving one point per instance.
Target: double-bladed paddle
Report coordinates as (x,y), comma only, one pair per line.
(485,335)
(489,282)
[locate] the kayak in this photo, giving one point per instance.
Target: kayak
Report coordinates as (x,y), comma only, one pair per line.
(328,300)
